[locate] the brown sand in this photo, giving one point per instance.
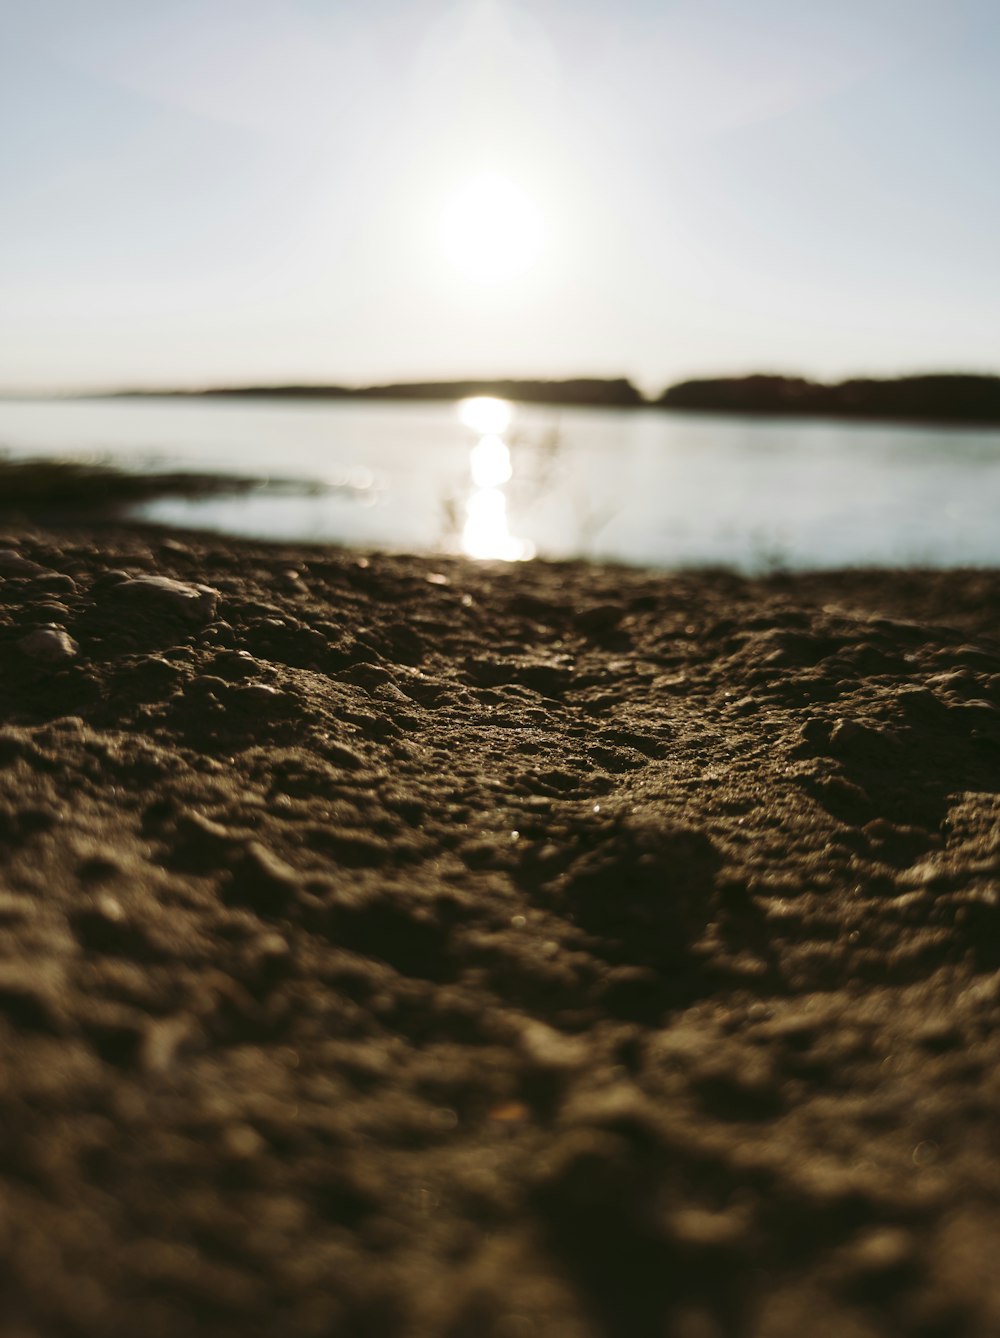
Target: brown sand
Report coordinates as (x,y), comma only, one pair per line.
(412,947)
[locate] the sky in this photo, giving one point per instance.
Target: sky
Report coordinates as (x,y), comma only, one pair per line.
(206,192)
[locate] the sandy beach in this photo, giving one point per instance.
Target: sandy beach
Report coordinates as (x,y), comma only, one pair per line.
(407,947)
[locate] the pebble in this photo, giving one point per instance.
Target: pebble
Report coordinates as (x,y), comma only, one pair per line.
(235,664)
(849,736)
(881,1251)
(156,672)
(545,1048)
(598,618)
(704,1232)
(262,880)
(163,1040)
(242,1141)
(930,872)
(205,685)
(57,581)
(195,831)
(816,730)
(262,696)
(939,1034)
(846,731)
(194,602)
(343,756)
(13,564)
(51,644)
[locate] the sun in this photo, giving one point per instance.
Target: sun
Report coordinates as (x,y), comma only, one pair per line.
(491,229)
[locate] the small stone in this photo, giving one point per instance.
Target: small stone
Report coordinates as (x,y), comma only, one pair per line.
(155,674)
(262,880)
(545,1048)
(102,927)
(342,756)
(58,582)
(51,644)
(930,872)
(599,618)
(234,665)
(262,697)
(846,732)
(163,1040)
(197,603)
(699,1231)
(13,564)
(816,730)
(242,1142)
(939,1034)
(107,579)
(881,1253)
(853,739)
(206,686)
(954,680)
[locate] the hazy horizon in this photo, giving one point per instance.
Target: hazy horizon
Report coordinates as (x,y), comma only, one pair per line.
(210,193)
(488,384)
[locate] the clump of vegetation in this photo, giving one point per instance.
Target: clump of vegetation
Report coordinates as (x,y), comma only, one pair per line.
(90,488)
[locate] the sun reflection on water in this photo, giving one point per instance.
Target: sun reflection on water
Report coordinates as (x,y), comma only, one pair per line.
(490,463)
(485,414)
(486,533)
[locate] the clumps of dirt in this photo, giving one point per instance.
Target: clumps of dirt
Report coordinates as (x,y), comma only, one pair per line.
(406,947)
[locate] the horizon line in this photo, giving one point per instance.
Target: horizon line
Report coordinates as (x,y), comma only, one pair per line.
(395,388)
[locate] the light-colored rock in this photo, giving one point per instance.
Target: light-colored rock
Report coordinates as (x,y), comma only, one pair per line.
(50,644)
(194,602)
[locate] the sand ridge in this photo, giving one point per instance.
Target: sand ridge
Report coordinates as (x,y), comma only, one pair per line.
(403,946)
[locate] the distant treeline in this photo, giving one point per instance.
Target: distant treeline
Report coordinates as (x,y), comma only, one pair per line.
(959,398)
(579,390)
(942,397)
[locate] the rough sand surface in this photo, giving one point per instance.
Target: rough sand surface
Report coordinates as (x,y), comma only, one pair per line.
(396,947)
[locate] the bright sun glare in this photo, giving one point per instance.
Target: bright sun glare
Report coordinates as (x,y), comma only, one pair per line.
(491,229)
(485,414)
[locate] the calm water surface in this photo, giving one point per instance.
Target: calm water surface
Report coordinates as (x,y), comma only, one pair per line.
(648,487)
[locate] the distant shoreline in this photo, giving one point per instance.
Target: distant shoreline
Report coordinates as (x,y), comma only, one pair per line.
(952,399)
(593,392)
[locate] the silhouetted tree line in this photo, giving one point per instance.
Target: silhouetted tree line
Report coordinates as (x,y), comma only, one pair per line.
(579,390)
(940,398)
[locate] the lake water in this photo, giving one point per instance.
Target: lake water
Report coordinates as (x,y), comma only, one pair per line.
(649,487)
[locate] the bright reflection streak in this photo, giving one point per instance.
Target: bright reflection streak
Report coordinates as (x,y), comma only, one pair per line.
(490,462)
(485,414)
(486,534)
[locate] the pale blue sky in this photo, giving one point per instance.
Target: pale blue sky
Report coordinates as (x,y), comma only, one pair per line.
(205,191)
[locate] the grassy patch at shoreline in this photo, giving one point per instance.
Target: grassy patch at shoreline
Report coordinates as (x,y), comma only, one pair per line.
(94,488)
